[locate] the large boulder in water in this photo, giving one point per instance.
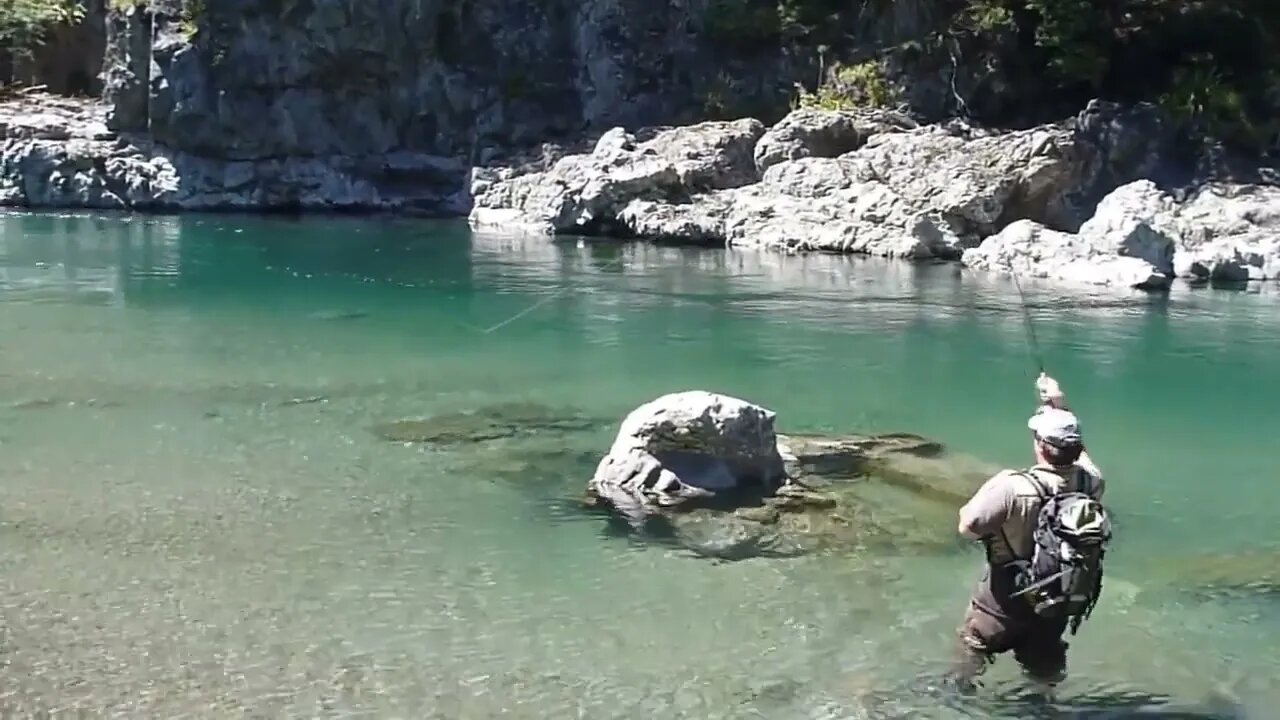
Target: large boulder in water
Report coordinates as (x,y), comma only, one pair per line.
(710,473)
(688,445)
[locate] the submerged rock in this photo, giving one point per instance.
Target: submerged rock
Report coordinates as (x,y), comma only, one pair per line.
(1253,573)
(491,422)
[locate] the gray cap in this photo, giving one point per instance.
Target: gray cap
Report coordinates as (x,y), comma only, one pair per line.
(1056,426)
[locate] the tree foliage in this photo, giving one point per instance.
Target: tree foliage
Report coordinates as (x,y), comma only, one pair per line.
(1213,63)
(25,23)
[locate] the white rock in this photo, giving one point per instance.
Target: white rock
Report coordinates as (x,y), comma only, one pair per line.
(823,134)
(894,190)
(1136,220)
(685,445)
(1230,232)
(1028,248)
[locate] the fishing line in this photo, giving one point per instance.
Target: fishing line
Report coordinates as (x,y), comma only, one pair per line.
(1033,343)
(563,289)
(526,311)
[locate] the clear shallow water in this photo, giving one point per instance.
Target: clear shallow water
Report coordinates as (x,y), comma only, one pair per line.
(197,520)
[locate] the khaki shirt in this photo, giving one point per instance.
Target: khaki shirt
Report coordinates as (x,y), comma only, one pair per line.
(1007,505)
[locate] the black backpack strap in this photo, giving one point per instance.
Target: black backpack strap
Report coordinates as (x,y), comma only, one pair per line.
(1041,491)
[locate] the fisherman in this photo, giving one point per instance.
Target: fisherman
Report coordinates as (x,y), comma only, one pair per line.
(1004,514)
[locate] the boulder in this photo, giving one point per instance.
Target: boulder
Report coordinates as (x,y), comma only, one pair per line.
(687,445)
(1135,221)
(1028,248)
(1229,232)
(701,221)
(1141,237)
(710,155)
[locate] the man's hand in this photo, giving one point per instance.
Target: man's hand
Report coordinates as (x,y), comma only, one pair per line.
(1049,392)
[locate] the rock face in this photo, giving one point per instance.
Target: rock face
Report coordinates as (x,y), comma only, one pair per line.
(327,104)
(319,78)
(1140,237)
(689,445)
(61,153)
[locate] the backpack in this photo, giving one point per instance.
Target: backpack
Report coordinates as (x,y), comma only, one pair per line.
(1063,577)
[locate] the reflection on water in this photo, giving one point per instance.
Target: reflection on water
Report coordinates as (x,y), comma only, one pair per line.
(200,520)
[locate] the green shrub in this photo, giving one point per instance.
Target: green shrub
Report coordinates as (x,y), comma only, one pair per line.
(849,87)
(189,21)
(1200,96)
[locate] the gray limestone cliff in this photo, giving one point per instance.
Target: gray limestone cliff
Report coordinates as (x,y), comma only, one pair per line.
(328,103)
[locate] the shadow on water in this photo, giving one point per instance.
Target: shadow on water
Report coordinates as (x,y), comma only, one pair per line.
(1019,703)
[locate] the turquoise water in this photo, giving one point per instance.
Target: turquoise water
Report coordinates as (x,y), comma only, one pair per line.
(198,521)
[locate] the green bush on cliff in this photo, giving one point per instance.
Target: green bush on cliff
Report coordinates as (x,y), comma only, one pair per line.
(1209,64)
(25,23)
(190,12)
(850,86)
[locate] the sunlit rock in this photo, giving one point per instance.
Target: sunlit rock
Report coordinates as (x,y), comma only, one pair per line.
(688,445)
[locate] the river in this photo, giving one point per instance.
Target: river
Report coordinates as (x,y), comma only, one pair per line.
(197,520)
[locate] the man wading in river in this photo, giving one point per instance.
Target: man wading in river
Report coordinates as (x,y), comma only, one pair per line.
(1044,530)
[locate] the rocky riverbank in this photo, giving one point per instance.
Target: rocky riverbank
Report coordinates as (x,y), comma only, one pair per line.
(875,182)
(59,153)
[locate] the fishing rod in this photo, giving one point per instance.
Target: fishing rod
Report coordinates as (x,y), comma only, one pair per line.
(1032,342)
